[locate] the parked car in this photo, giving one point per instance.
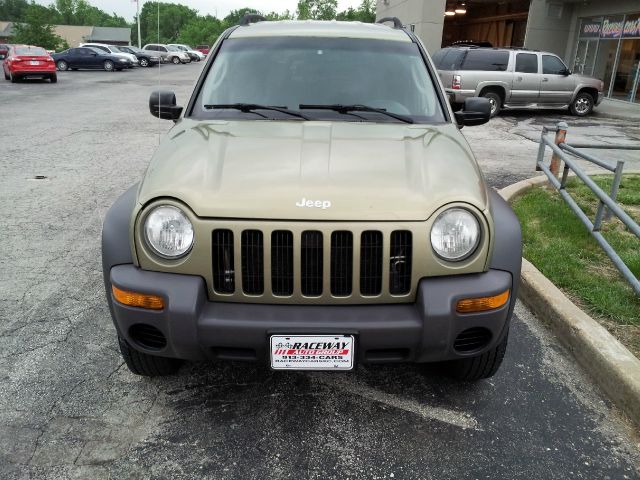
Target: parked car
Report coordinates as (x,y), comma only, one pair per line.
(145,57)
(113,50)
(26,61)
(515,78)
(299,217)
(89,58)
(168,54)
(193,54)
(203,49)
(4,50)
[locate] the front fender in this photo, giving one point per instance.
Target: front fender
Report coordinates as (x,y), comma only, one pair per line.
(116,245)
(507,244)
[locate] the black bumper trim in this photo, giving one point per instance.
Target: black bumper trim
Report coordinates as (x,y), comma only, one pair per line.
(197,328)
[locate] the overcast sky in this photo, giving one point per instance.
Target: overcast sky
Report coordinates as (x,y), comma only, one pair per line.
(219,8)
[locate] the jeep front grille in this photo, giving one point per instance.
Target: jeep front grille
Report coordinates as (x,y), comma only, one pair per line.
(269,262)
(223,254)
(282,263)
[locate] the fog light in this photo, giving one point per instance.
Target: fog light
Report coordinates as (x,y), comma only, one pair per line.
(140,300)
(482,304)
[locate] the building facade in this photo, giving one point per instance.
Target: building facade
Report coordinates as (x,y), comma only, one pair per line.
(74,35)
(595,37)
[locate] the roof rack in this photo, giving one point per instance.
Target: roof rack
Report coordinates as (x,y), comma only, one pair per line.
(396,22)
(250,18)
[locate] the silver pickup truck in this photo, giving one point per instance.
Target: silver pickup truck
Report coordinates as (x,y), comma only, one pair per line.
(515,78)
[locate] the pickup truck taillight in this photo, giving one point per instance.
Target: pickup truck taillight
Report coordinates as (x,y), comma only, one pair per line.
(456,84)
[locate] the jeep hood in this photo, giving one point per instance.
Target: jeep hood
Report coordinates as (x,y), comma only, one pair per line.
(267,169)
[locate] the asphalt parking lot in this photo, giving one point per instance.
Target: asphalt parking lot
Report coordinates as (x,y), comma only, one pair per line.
(70,409)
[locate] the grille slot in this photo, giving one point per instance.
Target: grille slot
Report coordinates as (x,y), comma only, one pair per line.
(371,263)
(341,278)
(472,339)
(400,262)
(282,263)
(252,262)
(147,336)
(311,263)
(223,272)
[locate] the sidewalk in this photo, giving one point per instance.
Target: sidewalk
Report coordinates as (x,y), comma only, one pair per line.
(618,109)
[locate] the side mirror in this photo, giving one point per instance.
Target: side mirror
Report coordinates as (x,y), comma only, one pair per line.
(476,111)
(566,72)
(162,104)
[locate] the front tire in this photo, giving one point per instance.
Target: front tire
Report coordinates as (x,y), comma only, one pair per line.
(482,366)
(495,100)
(582,105)
(145,364)
(108,66)
(175,60)
(62,66)
(53,78)
(143,62)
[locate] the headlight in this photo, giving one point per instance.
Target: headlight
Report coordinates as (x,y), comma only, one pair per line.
(455,234)
(168,231)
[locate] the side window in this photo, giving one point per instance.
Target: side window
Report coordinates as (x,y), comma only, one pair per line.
(104,49)
(486,60)
(527,63)
(150,47)
(82,51)
(448,58)
(552,65)
(162,49)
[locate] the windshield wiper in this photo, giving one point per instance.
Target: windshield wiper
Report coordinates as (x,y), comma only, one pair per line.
(250,107)
(355,108)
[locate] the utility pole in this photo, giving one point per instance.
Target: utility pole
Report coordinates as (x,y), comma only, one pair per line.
(138,22)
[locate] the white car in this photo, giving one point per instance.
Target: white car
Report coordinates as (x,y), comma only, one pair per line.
(195,55)
(113,50)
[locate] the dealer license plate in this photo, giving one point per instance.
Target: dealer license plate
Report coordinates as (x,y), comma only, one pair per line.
(312,352)
(34,62)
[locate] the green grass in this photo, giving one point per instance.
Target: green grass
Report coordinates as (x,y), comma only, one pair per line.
(561,247)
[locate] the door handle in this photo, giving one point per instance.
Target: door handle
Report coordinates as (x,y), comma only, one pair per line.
(545,79)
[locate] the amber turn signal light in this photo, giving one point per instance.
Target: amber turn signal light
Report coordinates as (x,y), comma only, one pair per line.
(140,300)
(481,304)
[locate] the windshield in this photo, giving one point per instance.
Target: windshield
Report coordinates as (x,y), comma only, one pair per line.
(115,49)
(290,71)
(32,52)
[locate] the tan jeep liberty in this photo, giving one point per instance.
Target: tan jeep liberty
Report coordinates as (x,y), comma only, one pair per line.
(314,207)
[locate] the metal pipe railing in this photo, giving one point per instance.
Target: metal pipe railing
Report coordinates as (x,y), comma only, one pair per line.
(607,203)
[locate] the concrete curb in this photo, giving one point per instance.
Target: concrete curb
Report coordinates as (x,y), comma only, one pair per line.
(614,368)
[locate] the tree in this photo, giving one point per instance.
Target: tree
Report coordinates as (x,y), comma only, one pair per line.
(13,10)
(317,9)
(235,16)
(366,13)
(173,18)
(36,30)
(201,31)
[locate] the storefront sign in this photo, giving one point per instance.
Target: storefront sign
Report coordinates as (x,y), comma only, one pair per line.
(611,29)
(632,28)
(590,29)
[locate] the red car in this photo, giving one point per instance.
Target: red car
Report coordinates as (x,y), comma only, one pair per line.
(203,49)
(27,61)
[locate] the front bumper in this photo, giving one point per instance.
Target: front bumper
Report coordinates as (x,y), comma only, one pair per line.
(196,328)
